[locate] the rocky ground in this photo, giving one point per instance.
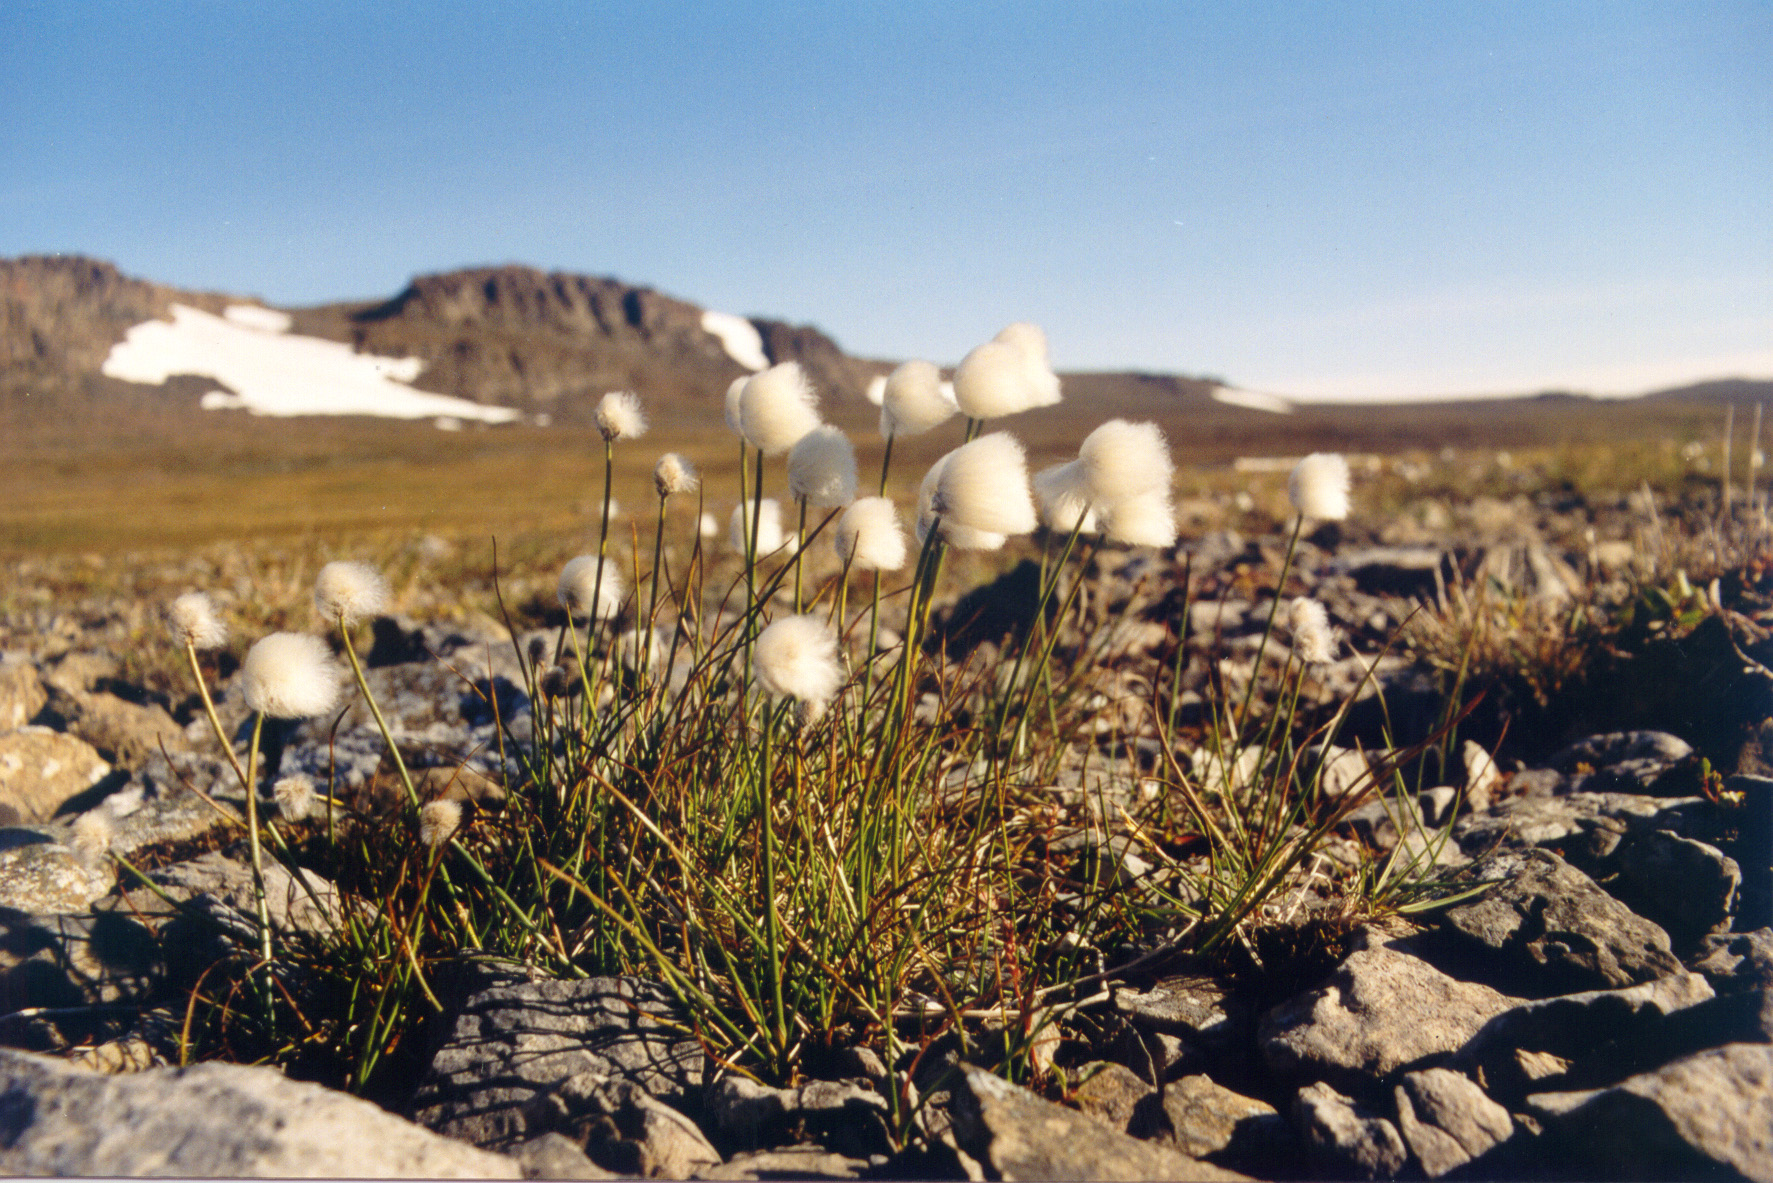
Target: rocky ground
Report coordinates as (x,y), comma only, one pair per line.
(1604,1008)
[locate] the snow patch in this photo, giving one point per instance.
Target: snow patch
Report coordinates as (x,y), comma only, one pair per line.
(253,316)
(271,372)
(739,337)
(1253,400)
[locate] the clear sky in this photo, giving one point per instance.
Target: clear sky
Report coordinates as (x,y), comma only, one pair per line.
(1320,199)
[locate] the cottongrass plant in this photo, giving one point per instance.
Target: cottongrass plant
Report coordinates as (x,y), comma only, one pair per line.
(807,856)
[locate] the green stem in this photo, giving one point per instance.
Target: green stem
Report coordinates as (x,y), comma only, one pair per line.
(252,836)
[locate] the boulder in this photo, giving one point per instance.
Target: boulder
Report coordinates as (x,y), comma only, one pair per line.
(512,1044)
(1110,1093)
(21,694)
(1708,1115)
(1017,1135)
(125,732)
(1447,1121)
(1382,1010)
(41,770)
(1204,1119)
(40,876)
(840,1115)
(211,1120)
(1733,961)
(788,1162)
(1687,886)
(1588,1038)
(1347,1140)
(1555,931)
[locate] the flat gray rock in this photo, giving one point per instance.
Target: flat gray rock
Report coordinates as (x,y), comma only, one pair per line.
(211,1120)
(1347,1140)
(1381,1010)
(1203,1118)
(1687,886)
(40,770)
(515,1045)
(1017,1135)
(1447,1121)
(1555,931)
(1709,1115)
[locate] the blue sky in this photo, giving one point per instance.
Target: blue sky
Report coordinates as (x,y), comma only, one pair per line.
(1319,199)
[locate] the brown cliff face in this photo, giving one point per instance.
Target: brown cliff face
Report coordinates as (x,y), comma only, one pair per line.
(555,342)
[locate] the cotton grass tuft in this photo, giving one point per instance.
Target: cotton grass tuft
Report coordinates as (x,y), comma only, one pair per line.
(1063,497)
(777,407)
(438,822)
(290,676)
(868,536)
(770,535)
(984,486)
(1143,520)
(733,394)
(1122,460)
(796,657)
(1007,375)
(620,417)
(913,400)
(953,533)
(579,591)
(194,622)
(822,468)
(349,592)
(1318,487)
(294,796)
(673,474)
(1312,639)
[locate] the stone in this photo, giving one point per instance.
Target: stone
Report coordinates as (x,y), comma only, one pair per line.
(1381,1010)
(842,1115)
(211,1120)
(125,732)
(1583,1032)
(1556,930)
(1447,1121)
(1110,1093)
(1621,747)
(1015,1134)
(623,1128)
(75,960)
(1482,777)
(1203,1118)
(556,1156)
(1542,821)
(1734,961)
(1202,1009)
(789,1162)
(75,674)
(1708,1115)
(1688,887)
(21,694)
(1347,1140)
(512,1044)
(41,770)
(1437,805)
(312,905)
(40,876)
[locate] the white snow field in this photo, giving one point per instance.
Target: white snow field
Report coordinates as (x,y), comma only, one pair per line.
(1253,400)
(273,372)
(739,337)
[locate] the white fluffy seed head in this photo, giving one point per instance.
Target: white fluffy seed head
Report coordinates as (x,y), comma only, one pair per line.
(438,822)
(1144,520)
(93,831)
(733,394)
(1312,639)
(876,390)
(953,533)
(777,407)
(349,592)
(290,676)
(581,594)
(294,796)
(822,468)
(194,622)
(1063,497)
(914,400)
(984,486)
(619,416)
(796,657)
(1007,374)
(868,536)
(1122,460)
(1318,487)
(673,474)
(770,535)
(639,648)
